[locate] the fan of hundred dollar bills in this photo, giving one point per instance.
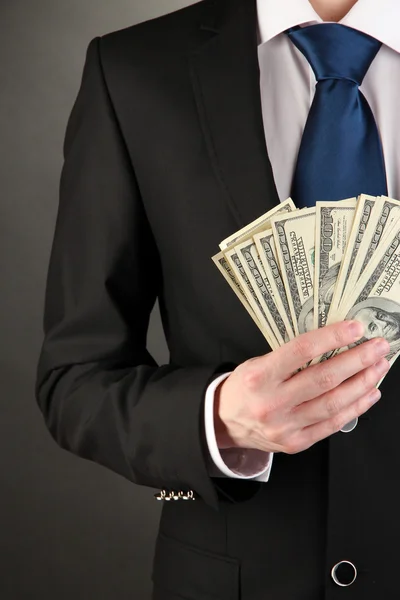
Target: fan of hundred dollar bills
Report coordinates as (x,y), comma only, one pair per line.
(297,270)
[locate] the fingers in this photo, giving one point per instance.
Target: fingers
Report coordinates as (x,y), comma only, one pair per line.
(321,378)
(319,431)
(334,406)
(298,352)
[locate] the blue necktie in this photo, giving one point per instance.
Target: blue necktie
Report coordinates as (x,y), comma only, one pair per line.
(340,154)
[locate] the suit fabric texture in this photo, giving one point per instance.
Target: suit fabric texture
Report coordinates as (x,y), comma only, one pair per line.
(165,156)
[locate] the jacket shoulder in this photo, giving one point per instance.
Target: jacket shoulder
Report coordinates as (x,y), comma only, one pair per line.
(158,35)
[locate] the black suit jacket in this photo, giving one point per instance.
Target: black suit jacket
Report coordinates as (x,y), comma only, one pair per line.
(164,157)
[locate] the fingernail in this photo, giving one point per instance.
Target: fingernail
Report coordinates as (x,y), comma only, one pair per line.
(382,347)
(375,396)
(382,366)
(356,329)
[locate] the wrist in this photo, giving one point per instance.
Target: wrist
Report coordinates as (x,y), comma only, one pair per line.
(222,436)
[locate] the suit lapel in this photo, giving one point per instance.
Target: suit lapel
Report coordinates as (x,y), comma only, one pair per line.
(225,76)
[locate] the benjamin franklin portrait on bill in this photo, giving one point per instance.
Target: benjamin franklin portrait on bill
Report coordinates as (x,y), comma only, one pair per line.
(381,318)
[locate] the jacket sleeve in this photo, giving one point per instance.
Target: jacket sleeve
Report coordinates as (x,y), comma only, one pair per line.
(101,393)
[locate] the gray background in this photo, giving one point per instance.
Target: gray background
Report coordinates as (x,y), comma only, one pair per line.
(70,529)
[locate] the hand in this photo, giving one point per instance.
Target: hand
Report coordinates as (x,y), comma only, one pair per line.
(266,404)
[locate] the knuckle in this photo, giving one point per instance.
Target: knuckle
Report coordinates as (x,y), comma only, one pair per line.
(360,407)
(304,347)
(293,447)
(339,422)
(366,355)
(307,444)
(367,379)
(275,435)
(258,415)
(326,378)
(338,335)
(261,412)
(333,407)
(371,378)
(252,378)
(312,438)
(253,374)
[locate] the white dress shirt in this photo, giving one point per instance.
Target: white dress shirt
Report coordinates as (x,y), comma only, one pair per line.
(287,87)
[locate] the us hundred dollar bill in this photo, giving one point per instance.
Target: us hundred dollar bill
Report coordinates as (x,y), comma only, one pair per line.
(377,297)
(262,286)
(240,273)
(363,213)
(265,244)
(294,236)
(226,270)
(229,264)
(374,270)
(384,216)
(258,225)
(334,221)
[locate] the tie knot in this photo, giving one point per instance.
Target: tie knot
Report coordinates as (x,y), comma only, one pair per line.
(335,51)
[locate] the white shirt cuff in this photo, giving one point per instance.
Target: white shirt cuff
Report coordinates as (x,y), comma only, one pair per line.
(239,463)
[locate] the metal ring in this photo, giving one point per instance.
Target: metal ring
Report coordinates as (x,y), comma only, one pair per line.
(350,426)
(334,577)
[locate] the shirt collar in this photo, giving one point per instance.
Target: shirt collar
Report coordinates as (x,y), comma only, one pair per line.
(378,18)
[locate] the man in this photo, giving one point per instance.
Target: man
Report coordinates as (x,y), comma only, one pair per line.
(186,128)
